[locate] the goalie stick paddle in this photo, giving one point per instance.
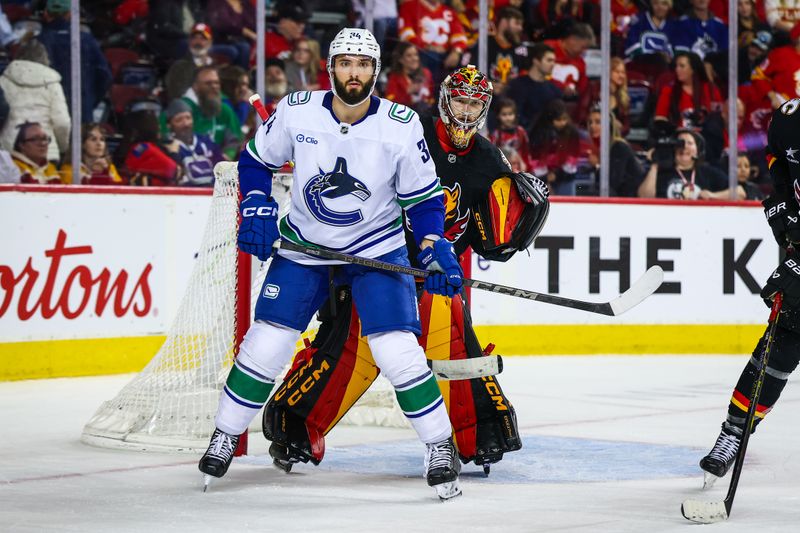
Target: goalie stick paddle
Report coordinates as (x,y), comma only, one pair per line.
(641,289)
(476,367)
(710,512)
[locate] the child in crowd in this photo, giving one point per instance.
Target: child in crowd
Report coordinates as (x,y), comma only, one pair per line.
(510,137)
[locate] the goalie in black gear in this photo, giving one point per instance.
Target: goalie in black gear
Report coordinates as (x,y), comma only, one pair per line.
(782,213)
(488,207)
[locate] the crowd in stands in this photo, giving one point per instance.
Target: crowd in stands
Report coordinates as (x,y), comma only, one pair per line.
(165,85)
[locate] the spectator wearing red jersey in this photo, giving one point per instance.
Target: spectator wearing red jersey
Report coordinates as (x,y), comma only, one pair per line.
(688,101)
(234,24)
(622,15)
(409,83)
(143,159)
(778,76)
(557,149)
(510,137)
(434,28)
(292,18)
(569,72)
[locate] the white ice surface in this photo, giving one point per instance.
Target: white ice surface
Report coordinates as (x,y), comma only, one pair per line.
(611,444)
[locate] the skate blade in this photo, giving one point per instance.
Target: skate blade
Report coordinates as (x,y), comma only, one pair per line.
(283,466)
(207,481)
(709,480)
(448,490)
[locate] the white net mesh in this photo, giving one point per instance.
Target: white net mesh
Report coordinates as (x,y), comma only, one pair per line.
(171,403)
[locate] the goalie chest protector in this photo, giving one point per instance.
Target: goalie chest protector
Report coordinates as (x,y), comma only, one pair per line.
(466,180)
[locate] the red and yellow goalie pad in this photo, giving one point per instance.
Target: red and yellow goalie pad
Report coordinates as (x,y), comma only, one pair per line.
(327,378)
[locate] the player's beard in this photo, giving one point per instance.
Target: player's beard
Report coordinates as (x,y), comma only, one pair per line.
(352,97)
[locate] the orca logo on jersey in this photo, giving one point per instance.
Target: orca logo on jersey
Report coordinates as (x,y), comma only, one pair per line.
(332,185)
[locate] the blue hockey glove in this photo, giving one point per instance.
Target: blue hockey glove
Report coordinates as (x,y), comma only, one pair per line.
(259,227)
(785,279)
(446,275)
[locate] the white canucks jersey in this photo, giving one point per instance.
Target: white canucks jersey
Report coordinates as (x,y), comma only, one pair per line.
(351,182)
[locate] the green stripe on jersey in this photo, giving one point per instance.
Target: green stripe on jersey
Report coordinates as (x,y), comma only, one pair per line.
(405,204)
(419,396)
(288,233)
(251,147)
(247,387)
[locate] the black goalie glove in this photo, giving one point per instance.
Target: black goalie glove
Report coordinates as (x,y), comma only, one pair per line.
(783,219)
(785,279)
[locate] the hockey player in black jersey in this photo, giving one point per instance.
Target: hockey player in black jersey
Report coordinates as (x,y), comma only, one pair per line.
(782,210)
(489,208)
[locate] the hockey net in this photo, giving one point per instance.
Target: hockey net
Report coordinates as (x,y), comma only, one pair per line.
(170,405)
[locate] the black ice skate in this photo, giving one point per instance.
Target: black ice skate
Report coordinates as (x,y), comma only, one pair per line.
(442,468)
(720,458)
(218,457)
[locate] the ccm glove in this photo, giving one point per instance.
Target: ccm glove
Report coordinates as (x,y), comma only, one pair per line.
(446,275)
(783,219)
(785,279)
(259,227)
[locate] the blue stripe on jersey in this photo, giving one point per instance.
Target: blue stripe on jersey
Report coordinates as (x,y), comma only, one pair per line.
(377,241)
(253,174)
(251,371)
(426,411)
(419,192)
(351,244)
(240,401)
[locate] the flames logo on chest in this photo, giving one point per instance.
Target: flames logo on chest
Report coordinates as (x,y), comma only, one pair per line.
(455,224)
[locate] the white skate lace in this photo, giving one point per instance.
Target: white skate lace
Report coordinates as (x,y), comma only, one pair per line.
(222,445)
(440,455)
(725,448)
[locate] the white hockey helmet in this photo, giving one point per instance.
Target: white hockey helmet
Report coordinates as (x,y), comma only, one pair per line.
(355,41)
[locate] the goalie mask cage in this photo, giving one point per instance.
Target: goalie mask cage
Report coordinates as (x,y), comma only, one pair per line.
(170,405)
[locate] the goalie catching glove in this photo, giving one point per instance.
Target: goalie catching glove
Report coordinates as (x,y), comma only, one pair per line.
(785,279)
(511,216)
(259,227)
(446,275)
(784,221)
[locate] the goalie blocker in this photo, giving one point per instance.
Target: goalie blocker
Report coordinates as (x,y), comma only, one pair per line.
(329,376)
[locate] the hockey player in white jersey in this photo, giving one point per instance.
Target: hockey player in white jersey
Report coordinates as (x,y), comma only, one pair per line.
(359,162)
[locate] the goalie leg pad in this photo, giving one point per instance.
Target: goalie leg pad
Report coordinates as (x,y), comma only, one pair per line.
(325,380)
(484,422)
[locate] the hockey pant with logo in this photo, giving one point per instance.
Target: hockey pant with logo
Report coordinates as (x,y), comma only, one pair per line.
(783,359)
(331,374)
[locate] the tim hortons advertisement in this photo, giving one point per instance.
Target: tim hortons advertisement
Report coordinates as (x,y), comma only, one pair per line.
(715,260)
(94,265)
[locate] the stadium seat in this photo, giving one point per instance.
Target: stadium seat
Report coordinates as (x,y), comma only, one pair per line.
(122,95)
(118,57)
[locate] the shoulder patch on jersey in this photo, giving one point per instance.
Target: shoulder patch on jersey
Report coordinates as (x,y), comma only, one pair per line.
(401,113)
(299,98)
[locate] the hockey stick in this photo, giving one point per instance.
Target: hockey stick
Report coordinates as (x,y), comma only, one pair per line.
(710,512)
(641,289)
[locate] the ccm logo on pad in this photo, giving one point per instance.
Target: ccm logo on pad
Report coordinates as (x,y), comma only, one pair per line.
(263,211)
